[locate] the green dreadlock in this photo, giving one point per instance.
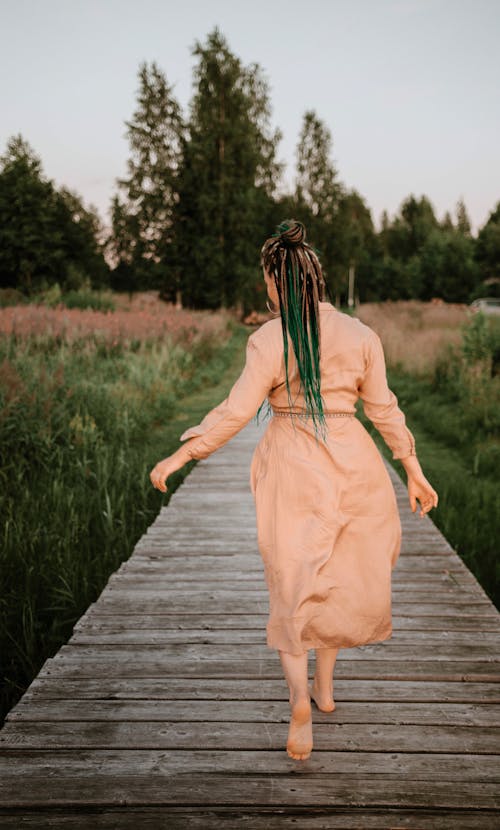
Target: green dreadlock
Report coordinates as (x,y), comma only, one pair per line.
(300,285)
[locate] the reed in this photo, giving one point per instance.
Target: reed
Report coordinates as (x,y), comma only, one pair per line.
(84,416)
(415,333)
(452,405)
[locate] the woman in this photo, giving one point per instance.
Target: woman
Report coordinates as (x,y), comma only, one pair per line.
(328,526)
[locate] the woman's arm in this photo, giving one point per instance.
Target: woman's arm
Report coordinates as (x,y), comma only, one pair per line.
(380,404)
(381,407)
(222,422)
(418,486)
(169,465)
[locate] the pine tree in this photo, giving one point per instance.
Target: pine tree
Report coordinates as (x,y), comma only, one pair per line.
(447,223)
(142,214)
(317,194)
(46,235)
(488,250)
(463,221)
(83,241)
(228,178)
(30,244)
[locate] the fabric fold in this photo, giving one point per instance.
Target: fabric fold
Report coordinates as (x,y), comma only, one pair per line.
(380,404)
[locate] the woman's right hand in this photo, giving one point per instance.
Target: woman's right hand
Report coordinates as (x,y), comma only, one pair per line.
(419,488)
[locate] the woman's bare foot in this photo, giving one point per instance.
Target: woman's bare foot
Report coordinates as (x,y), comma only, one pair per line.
(322,698)
(300,740)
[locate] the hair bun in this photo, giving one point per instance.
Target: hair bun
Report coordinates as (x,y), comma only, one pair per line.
(292,233)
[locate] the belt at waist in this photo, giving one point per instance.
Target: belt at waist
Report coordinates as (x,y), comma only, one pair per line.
(332,413)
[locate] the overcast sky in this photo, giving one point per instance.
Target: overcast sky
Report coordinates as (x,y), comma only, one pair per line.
(408,88)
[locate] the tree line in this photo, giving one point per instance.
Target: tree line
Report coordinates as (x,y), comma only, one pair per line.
(203,189)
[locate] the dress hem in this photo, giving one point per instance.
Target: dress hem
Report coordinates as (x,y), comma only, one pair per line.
(316,645)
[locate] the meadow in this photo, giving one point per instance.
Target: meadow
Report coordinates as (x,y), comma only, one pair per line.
(443,363)
(93,395)
(89,402)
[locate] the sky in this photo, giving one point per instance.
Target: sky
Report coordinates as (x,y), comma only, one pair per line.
(408,88)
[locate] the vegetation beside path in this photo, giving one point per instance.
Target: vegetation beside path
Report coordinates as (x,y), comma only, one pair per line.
(452,405)
(82,421)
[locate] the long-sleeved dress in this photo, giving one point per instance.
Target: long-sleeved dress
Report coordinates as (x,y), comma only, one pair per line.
(328,527)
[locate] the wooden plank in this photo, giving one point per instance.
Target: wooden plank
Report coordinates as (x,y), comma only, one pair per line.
(202,603)
(166,560)
(457,670)
(223,581)
(222,541)
(190,592)
(461,714)
(318,791)
(263,818)
(128,635)
(387,650)
(140,762)
(251,578)
(315,791)
(213,622)
(279,791)
(242,736)
(202,650)
(193,689)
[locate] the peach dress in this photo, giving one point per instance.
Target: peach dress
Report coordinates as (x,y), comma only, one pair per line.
(328,527)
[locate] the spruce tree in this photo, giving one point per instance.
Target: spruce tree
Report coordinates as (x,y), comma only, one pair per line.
(46,235)
(488,251)
(229,174)
(317,194)
(142,213)
(463,221)
(31,254)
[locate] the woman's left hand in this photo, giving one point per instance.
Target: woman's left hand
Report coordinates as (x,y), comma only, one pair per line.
(419,488)
(162,471)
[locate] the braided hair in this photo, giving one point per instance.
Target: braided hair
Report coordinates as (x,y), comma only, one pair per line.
(299,281)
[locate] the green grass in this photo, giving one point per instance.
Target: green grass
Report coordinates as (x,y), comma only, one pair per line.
(80,428)
(459,461)
(82,298)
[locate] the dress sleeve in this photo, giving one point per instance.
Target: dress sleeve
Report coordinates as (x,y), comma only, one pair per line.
(380,404)
(241,404)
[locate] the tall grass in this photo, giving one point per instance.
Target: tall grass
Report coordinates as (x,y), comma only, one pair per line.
(82,421)
(452,406)
(414,333)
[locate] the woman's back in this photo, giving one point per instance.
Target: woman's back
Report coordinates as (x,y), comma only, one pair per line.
(344,348)
(352,366)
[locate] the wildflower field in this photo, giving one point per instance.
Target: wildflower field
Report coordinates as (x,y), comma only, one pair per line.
(89,402)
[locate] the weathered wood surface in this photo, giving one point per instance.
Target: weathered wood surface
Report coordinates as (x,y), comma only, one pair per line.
(166,709)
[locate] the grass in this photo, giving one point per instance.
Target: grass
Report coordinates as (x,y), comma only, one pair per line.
(81,425)
(415,334)
(452,406)
(468,513)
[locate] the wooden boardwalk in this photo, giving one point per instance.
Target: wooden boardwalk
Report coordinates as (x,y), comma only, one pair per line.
(166,709)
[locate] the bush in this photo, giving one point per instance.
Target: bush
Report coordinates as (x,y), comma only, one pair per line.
(82,298)
(88,299)
(11,296)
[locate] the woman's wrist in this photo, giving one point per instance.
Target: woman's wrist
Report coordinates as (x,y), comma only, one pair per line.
(412,465)
(182,455)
